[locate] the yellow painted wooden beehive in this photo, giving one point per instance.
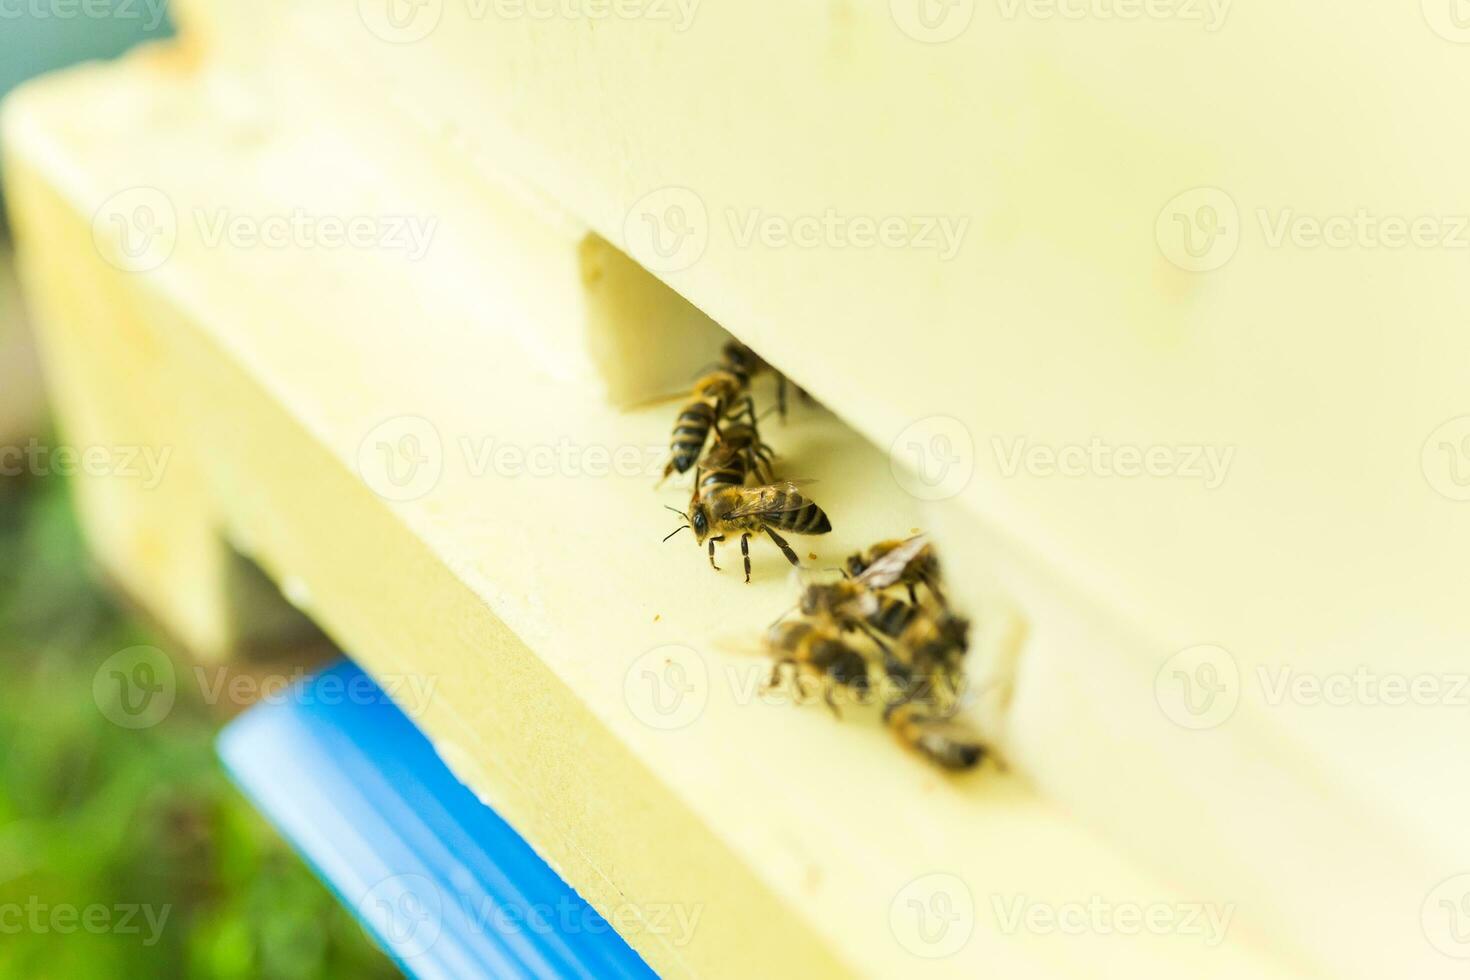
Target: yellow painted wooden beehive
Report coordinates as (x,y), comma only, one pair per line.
(399,286)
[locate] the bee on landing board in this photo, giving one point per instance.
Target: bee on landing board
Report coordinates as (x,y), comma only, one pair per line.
(915,650)
(819,651)
(738,454)
(926,663)
(908,563)
(741,360)
(718,396)
(724,510)
(923,647)
(940,739)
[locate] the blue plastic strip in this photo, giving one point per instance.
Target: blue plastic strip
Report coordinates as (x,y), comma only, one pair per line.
(443,884)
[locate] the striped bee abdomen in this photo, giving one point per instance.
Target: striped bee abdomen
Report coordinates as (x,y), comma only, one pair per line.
(892,616)
(790,511)
(691,432)
(727,471)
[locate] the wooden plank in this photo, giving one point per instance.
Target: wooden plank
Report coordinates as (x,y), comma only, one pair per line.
(540,600)
(1088,155)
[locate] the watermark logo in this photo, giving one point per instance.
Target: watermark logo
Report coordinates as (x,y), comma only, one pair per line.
(151,11)
(934,458)
(135,688)
(941,234)
(412,692)
(667,687)
(408,234)
(933,916)
(487,456)
(1206,464)
(64,919)
(1450,19)
(1199,687)
(136,229)
(401,459)
(146,464)
(1209,13)
(1445,917)
(401,21)
(932,21)
(667,230)
(1199,230)
(1098,916)
(1364,230)
(1445,459)
(406,912)
(1362,687)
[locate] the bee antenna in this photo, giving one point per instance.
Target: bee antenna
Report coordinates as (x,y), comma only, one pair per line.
(675,510)
(681,527)
(778,619)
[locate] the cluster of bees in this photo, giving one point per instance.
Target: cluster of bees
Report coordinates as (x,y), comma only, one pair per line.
(883,628)
(884,632)
(735,492)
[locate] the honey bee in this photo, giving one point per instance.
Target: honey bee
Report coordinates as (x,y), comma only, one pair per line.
(938,738)
(923,651)
(718,396)
(738,453)
(852,605)
(907,563)
(820,651)
(691,431)
(741,360)
(726,389)
(926,661)
(724,510)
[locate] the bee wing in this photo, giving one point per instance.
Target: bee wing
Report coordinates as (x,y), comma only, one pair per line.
(887,570)
(864,605)
(778,498)
(742,645)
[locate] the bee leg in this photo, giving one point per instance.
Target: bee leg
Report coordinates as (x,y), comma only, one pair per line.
(774,681)
(913,596)
(749,413)
(785,548)
(745,553)
(712,552)
(831,701)
(906,693)
(781,395)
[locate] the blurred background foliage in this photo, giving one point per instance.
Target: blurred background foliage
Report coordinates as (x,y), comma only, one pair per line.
(91,813)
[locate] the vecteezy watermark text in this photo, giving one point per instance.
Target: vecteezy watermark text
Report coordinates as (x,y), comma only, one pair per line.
(137,688)
(407,233)
(151,12)
(138,229)
(98,918)
(143,463)
(1208,464)
(1364,687)
(1202,229)
(1210,13)
(407,913)
(831,230)
(404,457)
(1206,921)
(410,21)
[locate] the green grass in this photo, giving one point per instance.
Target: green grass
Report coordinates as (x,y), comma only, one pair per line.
(93,815)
